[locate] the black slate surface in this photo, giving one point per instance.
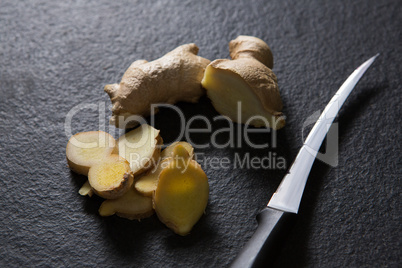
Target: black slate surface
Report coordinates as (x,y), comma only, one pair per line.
(57,55)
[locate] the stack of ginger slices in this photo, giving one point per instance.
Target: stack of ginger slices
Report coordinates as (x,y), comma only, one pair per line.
(137,179)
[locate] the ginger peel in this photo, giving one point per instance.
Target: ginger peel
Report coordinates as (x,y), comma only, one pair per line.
(172,78)
(247,79)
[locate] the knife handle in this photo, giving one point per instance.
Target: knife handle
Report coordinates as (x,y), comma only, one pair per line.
(267,241)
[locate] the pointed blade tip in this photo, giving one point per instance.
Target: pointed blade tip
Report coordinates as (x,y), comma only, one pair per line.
(281,200)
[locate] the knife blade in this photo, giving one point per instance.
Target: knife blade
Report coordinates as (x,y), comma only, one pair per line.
(275,220)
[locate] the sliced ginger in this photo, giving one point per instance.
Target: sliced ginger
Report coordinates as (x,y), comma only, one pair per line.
(110,175)
(86,149)
(131,205)
(247,79)
(146,184)
(141,147)
(86,189)
(111,178)
(177,188)
(182,193)
(169,151)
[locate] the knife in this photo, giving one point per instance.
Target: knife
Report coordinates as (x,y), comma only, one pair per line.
(276,220)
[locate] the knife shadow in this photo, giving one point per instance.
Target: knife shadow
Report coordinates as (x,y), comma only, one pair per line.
(248,187)
(297,244)
(357,107)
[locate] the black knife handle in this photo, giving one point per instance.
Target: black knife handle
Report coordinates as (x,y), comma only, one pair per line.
(267,241)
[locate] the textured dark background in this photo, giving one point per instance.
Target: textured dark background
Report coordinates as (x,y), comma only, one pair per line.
(57,55)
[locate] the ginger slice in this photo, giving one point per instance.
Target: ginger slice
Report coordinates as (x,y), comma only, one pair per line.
(141,148)
(111,178)
(182,193)
(86,189)
(146,184)
(131,205)
(246,79)
(86,149)
(169,151)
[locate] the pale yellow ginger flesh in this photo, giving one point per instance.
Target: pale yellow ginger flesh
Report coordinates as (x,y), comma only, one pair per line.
(86,149)
(111,178)
(233,97)
(245,89)
(169,151)
(147,183)
(172,78)
(131,205)
(177,188)
(86,189)
(182,193)
(141,148)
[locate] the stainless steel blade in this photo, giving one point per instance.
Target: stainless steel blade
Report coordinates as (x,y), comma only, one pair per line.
(289,193)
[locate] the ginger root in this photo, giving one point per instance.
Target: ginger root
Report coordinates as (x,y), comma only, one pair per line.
(247,79)
(86,149)
(172,78)
(111,178)
(131,205)
(141,148)
(147,183)
(182,192)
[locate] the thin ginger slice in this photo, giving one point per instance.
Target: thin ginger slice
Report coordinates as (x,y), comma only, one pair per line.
(131,205)
(141,148)
(86,149)
(169,151)
(86,189)
(111,178)
(182,193)
(146,184)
